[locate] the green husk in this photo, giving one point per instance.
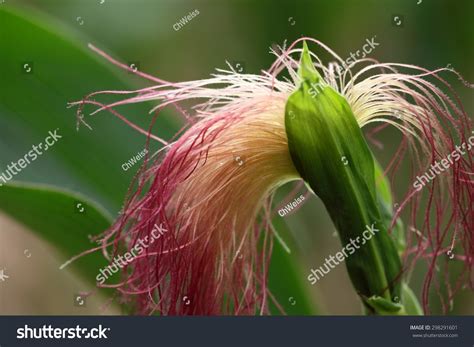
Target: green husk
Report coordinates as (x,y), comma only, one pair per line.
(330,153)
(384,197)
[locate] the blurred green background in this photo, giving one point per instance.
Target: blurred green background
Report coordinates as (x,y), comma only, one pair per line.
(53,40)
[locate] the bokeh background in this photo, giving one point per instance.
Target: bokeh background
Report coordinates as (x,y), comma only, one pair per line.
(52,41)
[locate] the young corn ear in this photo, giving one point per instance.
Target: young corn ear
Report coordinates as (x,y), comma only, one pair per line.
(330,153)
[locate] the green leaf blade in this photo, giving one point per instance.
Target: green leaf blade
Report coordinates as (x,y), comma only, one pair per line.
(62,218)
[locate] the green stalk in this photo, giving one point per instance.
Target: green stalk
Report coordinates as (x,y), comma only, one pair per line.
(330,153)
